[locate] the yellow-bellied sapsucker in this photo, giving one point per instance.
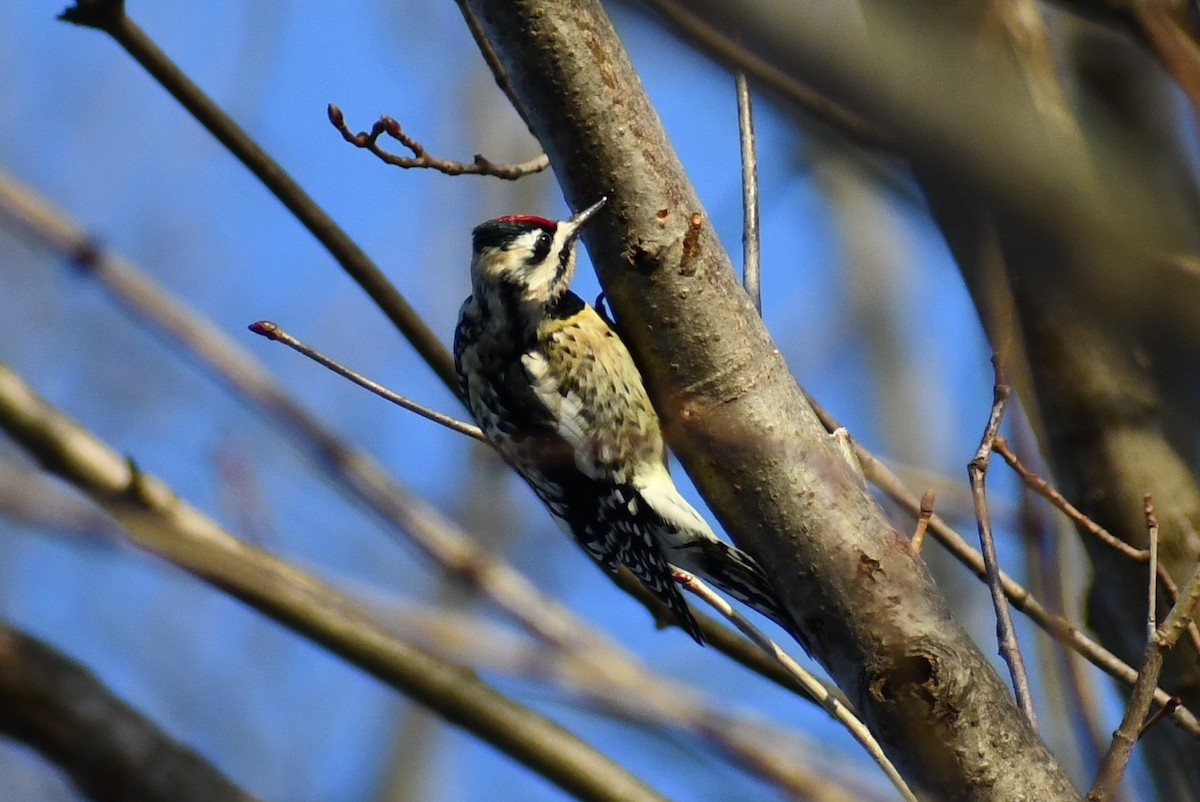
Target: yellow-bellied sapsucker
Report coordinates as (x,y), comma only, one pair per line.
(557,393)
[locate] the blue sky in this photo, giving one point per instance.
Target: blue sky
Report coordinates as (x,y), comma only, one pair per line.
(83,125)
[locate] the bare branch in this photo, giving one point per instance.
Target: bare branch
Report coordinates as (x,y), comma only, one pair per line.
(1067,684)
(775,755)
(922,522)
(751,241)
(1152,592)
(492,60)
(1132,727)
(273,332)
(1086,524)
(1160,714)
(1058,627)
(1010,649)
(421,157)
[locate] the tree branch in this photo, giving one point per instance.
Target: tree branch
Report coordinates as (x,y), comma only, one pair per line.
(421,158)
(1010,649)
(1159,640)
(1058,627)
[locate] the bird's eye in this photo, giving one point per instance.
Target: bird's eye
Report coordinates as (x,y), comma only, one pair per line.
(541,248)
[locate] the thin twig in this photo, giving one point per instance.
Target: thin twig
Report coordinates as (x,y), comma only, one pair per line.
(272,331)
(1112,767)
(109,16)
(751,241)
(421,158)
(1080,519)
(1162,712)
(1046,491)
(836,709)
(1062,630)
(1183,611)
(1063,668)
(162,523)
(918,537)
(1152,596)
(1010,649)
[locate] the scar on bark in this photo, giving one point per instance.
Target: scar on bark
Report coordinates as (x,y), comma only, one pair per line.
(691,247)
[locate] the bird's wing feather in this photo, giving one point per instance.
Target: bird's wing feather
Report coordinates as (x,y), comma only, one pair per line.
(583,374)
(634,530)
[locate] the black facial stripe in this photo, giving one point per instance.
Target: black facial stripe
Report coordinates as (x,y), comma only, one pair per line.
(564,255)
(564,259)
(501,233)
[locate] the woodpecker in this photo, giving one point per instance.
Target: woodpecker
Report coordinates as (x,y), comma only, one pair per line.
(557,393)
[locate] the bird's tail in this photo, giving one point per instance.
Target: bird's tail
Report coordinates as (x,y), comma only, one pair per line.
(737,574)
(690,544)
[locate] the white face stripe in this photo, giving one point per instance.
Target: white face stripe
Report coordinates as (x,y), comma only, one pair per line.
(510,265)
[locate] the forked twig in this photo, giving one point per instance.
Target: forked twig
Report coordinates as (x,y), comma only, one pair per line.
(1158,643)
(1081,519)
(421,158)
(1010,649)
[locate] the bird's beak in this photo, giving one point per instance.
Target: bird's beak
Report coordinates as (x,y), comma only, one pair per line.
(577,220)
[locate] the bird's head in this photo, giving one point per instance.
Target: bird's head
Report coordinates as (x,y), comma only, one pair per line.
(527,258)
